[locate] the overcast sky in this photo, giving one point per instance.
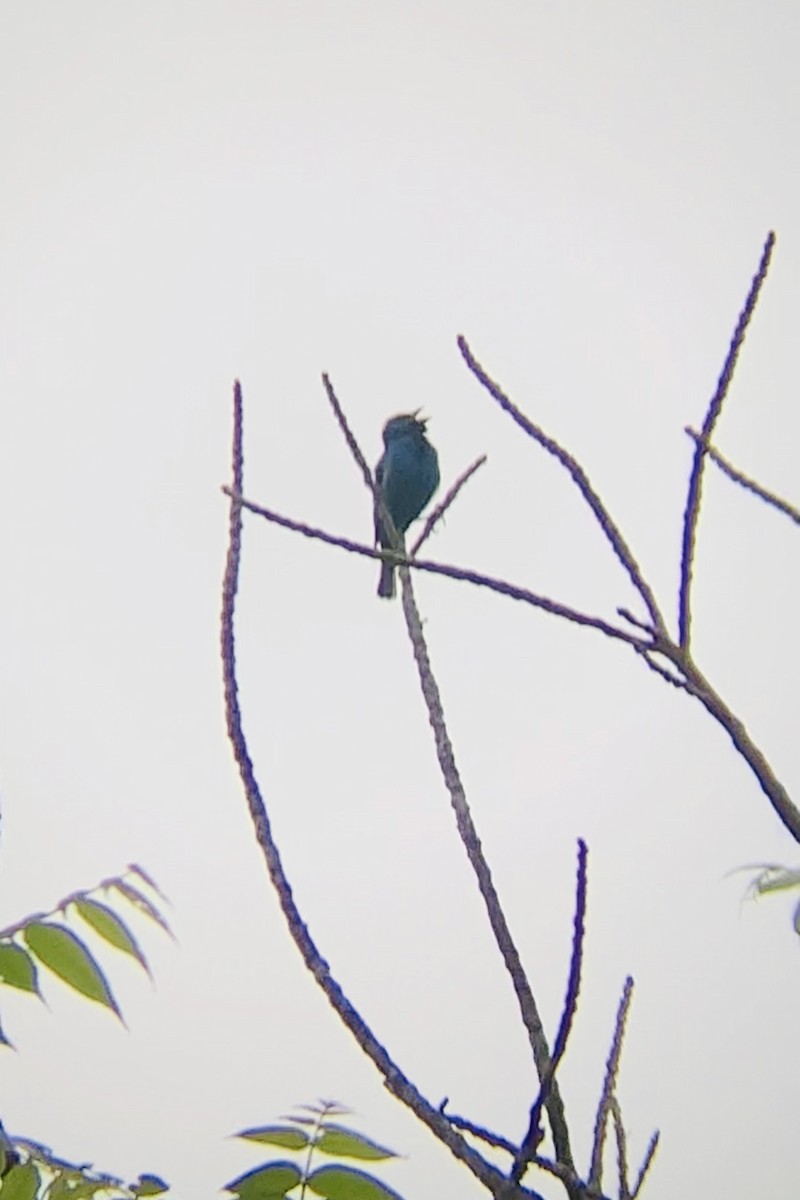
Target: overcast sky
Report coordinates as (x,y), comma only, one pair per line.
(194,192)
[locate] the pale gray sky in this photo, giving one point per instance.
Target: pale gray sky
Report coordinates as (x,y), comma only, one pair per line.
(196,191)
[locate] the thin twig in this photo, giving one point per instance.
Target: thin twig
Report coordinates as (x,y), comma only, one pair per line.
(581,479)
(442,507)
(612,1069)
(535,1134)
(695,489)
(622,1148)
(355,449)
(628,616)
(745,481)
(468,833)
(394,1079)
(645,1167)
(478,1131)
(675,680)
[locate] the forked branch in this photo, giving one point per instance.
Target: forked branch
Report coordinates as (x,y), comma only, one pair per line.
(745,481)
(469,836)
(394,1079)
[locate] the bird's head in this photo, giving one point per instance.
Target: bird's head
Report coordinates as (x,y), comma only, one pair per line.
(404,425)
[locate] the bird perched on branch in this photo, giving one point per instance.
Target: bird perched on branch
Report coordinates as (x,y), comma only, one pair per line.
(407,476)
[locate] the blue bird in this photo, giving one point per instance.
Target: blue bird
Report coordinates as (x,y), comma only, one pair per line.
(407,476)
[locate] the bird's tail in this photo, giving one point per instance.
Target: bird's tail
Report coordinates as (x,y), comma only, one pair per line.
(386,582)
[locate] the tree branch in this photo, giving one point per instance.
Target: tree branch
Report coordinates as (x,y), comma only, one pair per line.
(395,1081)
(533,1137)
(469,837)
(581,479)
(695,489)
(612,1070)
(433,568)
(745,481)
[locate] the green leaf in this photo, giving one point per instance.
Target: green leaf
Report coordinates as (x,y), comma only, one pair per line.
(266,1183)
(66,956)
(105,921)
(276,1135)
(74,1185)
(347,1183)
(21,1183)
(149,1185)
(17,968)
(141,903)
(346,1143)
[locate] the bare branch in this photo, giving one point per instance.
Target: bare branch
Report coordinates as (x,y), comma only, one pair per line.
(695,489)
(442,507)
(645,1167)
(690,678)
(574,1185)
(535,1134)
(745,481)
(579,476)
(645,626)
(464,822)
(566,1176)
(478,1131)
(394,1079)
(469,836)
(675,680)
(786,811)
(622,1149)
(556,1169)
(355,449)
(612,1070)
(433,568)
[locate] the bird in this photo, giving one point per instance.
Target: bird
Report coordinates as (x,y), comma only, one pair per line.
(406,477)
